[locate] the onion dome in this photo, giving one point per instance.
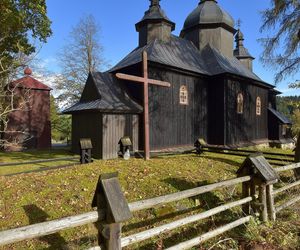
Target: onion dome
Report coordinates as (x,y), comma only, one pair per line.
(240,51)
(27,71)
(209,12)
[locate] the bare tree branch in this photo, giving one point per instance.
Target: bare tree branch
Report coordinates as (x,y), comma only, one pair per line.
(13,97)
(81,55)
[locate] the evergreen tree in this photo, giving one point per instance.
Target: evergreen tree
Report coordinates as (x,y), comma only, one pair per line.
(281,50)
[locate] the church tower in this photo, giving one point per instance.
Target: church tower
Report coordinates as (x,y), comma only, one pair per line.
(209,24)
(241,53)
(154,25)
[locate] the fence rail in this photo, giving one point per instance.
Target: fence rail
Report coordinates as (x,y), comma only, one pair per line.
(247,151)
(109,227)
(182,222)
(204,237)
(46,228)
(276,159)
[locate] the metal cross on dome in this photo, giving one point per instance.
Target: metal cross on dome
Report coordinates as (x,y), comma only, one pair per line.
(239,23)
(145,81)
(154,3)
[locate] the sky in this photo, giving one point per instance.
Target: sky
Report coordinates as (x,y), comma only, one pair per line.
(117,19)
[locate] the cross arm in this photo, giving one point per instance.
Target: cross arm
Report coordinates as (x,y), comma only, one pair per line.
(142,80)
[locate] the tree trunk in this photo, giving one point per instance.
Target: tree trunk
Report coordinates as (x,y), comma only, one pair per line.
(297,157)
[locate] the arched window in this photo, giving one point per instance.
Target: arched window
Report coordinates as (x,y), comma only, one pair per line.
(183,95)
(258,106)
(240,103)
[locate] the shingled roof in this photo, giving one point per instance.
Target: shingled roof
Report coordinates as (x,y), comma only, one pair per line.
(112,97)
(29,82)
(219,64)
(183,54)
(282,118)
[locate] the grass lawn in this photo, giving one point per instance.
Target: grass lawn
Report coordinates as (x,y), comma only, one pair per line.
(31,155)
(36,197)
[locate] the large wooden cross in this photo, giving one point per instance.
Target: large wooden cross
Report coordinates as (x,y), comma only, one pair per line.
(145,81)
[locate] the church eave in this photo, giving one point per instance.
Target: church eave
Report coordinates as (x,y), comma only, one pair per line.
(142,23)
(101,111)
(209,26)
(244,57)
(260,83)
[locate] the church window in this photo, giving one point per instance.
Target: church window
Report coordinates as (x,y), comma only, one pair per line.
(240,103)
(183,95)
(258,106)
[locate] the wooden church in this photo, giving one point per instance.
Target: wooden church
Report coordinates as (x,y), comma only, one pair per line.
(214,93)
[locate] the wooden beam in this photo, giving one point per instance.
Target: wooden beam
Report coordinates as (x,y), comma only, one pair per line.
(146,106)
(204,237)
(149,203)
(270,201)
(289,167)
(139,79)
(181,222)
(279,190)
(263,202)
(288,204)
(145,81)
(49,227)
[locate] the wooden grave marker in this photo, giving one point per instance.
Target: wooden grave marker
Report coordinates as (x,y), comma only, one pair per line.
(110,198)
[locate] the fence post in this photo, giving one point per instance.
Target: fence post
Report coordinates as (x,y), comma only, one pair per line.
(246,193)
(263,175)
(263,202)
(270,201)
(297,157)
(109,199)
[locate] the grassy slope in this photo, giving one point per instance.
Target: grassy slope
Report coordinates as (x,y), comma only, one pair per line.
(31,198)
(6,157)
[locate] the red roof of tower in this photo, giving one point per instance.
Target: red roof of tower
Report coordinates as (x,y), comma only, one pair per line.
(29,82)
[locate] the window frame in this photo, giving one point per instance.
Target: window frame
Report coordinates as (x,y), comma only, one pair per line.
(183,95)
(240,103)
(258,106)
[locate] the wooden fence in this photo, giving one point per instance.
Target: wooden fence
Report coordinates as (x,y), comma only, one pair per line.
(276,159)
(113,210)
(273,193)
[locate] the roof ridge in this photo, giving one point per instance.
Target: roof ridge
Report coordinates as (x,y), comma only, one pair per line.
(208,46)
(23,81)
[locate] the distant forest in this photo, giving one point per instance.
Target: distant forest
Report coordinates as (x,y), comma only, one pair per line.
(288,104)
(290,107)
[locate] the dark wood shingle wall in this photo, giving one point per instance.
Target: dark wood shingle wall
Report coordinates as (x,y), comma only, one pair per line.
(248,126)
(171,123)
(115,126)
(87,125)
